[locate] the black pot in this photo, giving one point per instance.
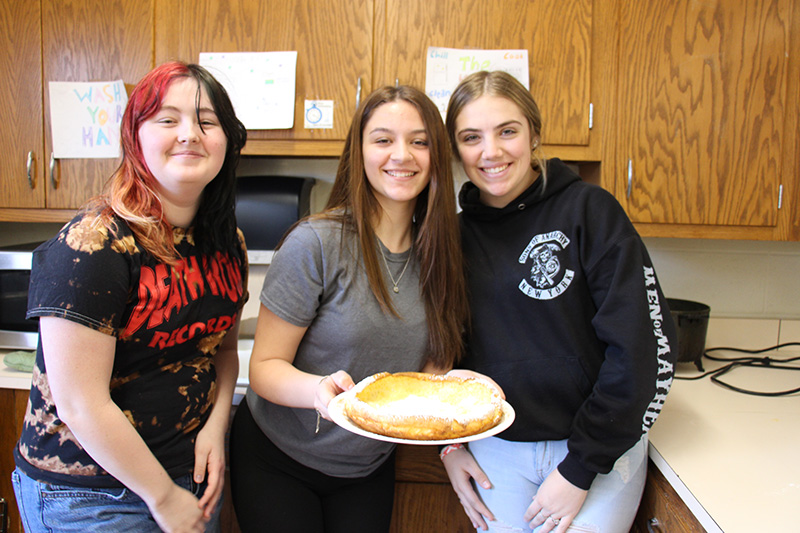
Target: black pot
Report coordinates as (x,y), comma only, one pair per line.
(691,321)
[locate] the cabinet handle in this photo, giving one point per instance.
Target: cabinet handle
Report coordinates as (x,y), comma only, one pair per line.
(3,516)
(358,92)
(53,176)
(630,178)
(29,170)
(654,526)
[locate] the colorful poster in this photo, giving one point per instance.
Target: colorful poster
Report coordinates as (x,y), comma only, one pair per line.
(261,85)
(85,118)
(446,67)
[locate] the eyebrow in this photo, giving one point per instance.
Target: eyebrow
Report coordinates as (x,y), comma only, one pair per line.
(388,130)
(498,127)
(175,108)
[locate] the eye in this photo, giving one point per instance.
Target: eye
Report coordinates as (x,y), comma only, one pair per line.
(469,138)
(420,142)
(506,132)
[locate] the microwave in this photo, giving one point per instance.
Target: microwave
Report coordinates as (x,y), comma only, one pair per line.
(16,331)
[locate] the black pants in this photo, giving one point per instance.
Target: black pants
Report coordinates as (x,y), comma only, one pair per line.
(273,492)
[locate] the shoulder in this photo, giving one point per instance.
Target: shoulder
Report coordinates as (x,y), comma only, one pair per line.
(317,232)
(593,204)
(89,235)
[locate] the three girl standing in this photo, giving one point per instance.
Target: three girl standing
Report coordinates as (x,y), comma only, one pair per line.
(567,317)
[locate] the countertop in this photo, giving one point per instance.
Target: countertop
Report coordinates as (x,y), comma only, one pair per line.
(14,379)
(732,457)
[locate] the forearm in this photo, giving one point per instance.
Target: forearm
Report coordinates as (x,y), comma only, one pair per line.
(280,382)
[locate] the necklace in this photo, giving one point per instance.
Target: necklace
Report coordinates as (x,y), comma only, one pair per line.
(408,259)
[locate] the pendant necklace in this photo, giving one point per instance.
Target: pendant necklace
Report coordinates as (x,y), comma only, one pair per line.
(408,259)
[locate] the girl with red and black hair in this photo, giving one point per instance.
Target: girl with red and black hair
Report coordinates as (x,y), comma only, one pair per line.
(138,300)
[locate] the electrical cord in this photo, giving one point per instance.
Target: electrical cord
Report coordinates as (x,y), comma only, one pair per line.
(738,362)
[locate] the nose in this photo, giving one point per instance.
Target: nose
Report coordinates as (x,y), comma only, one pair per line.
(491,149)
(189,132)
(400,152)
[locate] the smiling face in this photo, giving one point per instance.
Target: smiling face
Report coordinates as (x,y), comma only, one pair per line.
(396,153)
(182,157)
(494,143)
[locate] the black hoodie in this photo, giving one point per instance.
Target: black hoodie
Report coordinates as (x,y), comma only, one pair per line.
(568,318)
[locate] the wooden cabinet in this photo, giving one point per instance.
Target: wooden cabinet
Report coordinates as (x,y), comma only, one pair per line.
(424,500)
(58,40)
(12,412)
(687,111)
(662,510)
(704,92)
(21,134)
(333,40)
(563,39)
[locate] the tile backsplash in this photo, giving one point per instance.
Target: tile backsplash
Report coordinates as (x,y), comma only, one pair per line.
(746,279)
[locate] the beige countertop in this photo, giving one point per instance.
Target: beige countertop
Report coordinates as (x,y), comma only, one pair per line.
(733,457)
(15,379)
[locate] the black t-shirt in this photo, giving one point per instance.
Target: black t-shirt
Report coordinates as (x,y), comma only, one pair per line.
(169,322)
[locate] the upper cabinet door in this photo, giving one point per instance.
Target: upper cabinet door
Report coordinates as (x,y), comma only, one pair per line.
(702,101)
(91,40)
(333,40)
(22,156)
(557,35)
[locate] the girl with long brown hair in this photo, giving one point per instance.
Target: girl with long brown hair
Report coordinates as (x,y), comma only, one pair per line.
(374,283)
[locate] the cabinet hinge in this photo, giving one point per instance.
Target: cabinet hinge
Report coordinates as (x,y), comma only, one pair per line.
(780,195)
(591,115)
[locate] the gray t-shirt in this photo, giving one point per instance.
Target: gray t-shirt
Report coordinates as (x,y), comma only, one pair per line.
(316,282)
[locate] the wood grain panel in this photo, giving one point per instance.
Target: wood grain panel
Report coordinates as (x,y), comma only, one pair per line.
(333,40)
(12,413)
(428,507)
(701,113)
(21,111)
(91,40)
(662,509)
(559,60)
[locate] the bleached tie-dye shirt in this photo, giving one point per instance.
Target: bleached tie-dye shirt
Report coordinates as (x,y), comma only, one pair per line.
(169,322)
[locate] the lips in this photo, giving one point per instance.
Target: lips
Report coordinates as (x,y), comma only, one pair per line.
(187,153)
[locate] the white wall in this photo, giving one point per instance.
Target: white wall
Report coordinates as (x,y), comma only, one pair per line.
(747,279)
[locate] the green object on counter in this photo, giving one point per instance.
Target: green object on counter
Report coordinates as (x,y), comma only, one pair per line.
(20,360)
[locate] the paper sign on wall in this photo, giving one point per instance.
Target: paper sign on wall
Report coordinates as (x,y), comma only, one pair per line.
(446,67)
(85,118)
(261,86)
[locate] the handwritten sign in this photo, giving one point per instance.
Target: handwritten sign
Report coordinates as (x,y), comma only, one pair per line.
(446,67)
(85,118)
(261,85)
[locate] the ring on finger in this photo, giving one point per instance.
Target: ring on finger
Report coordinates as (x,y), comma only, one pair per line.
(556,521)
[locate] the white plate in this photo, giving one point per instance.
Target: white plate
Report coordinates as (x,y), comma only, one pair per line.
(337,414)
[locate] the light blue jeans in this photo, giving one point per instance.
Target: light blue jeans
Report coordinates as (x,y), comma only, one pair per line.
(46,508)
(516,469)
